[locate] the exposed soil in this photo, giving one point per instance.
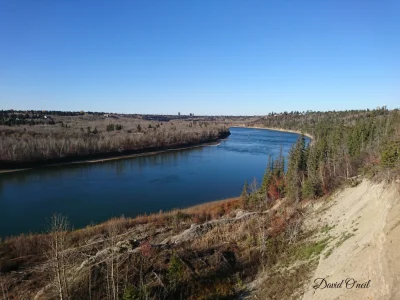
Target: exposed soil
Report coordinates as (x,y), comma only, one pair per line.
(363,224)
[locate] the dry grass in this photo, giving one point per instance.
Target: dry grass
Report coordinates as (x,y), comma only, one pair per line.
(217,264)
(25,245)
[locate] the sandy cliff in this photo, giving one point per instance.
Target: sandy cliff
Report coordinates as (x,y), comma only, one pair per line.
(363,226)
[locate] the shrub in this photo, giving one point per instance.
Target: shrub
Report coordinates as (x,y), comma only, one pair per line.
(130,293)
(175,271)
(244,197)
(110,127)
(308,190)
(390,154)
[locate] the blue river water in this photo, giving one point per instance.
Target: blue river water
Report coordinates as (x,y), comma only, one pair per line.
(91,193)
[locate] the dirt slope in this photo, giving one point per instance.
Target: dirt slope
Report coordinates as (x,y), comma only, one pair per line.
(363,224)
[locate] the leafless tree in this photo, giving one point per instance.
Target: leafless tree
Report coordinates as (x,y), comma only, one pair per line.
(3,284)
(57,255)
(113,267)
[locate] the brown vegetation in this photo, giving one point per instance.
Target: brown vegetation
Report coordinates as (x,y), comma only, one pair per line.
(90,135)
(136,258)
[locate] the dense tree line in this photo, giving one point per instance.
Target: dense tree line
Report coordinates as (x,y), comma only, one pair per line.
(345,144)
(38,117)
(31,146)
(12,119)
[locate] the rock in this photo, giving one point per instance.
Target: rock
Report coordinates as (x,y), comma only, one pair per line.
(240,213)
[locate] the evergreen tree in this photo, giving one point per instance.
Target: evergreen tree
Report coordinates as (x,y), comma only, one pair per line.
(129,293)
(267,175)
(245,195)
(175,271)
(297,169)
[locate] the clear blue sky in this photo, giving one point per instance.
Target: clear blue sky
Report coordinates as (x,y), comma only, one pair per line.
(202,56)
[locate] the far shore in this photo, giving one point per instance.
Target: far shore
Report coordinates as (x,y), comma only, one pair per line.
(278,129)
(98,160)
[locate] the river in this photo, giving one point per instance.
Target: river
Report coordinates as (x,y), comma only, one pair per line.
(92,193)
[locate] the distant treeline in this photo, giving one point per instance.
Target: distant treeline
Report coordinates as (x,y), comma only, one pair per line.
(42,117)
(35,117)
(345,144)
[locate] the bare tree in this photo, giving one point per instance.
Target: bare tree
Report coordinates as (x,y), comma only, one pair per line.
(57,255)
(3,284)
(253,186)
(113,261)
(293,230)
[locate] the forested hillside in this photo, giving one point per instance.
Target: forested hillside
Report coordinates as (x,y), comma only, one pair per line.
(346,144)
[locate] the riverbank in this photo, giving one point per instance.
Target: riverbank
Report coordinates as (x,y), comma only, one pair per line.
(102,157)
(279,129)
(321,239)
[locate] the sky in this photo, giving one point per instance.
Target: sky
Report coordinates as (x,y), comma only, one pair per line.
(207,57)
